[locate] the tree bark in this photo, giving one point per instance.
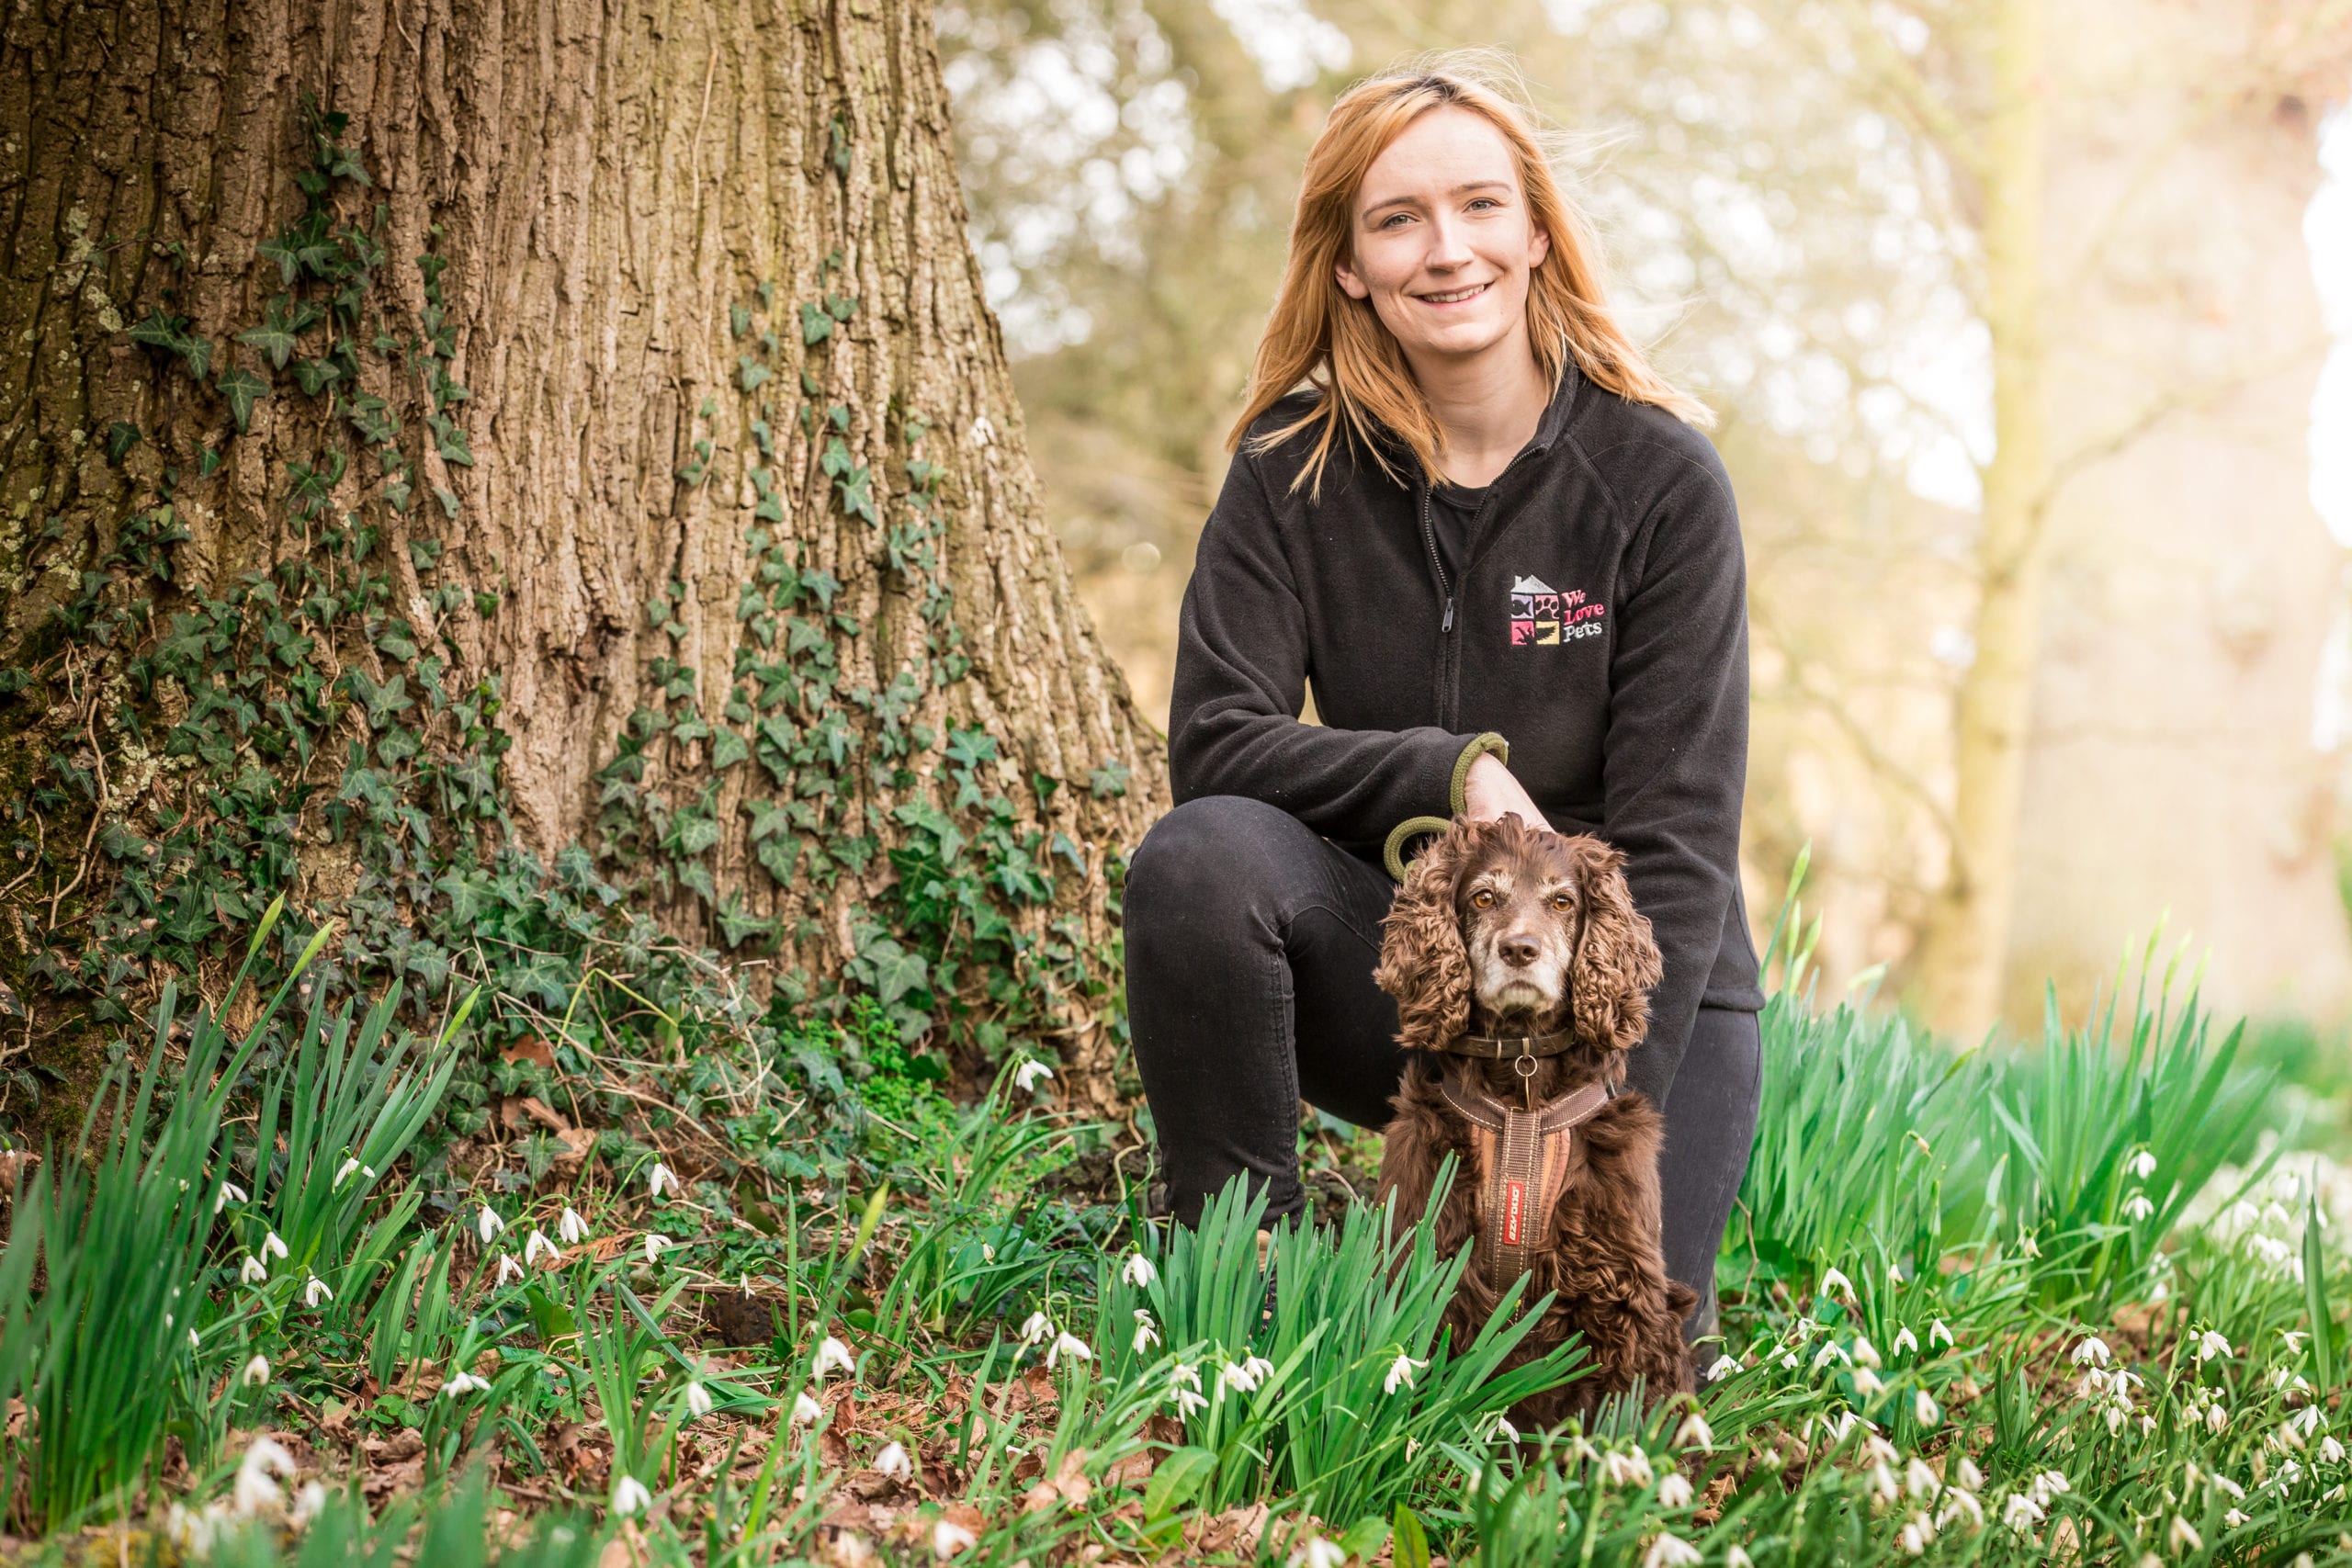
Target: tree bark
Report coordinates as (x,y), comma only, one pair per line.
(729,506)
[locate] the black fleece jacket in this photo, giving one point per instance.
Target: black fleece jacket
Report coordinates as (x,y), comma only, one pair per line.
(1597,637)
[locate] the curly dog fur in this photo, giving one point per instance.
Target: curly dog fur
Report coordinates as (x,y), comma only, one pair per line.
(1487,915)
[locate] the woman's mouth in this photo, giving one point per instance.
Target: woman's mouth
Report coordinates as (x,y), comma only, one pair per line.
(1454,297)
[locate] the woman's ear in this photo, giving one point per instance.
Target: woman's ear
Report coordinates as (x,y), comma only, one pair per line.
(1422,962)
(1618,960)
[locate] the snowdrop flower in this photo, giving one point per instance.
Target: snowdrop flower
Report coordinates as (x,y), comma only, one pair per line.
(489,1224)
(307,1504)
(1915,1535)
(1188,1400)
(1067,1344)
(271,1244)
(1146,1335)
(1239,1379)
(805,1409)
(1925,1410)
(947,1537)
(1036,1329)
(1938,1331)
(893,1462)
(2021,1513)
(1026,1076)
(1843,1422)
(654,1242)
(1674,1491)
(1723,1367)
(1865,1353)
(1694,1433)
(255,1490)
(1737,1558)
(2091,1352)
(508,1270)
(1830,1351)
(537,1243)
(463,1384)
(1670,1551)
(1970,1476)
(1139,1272)
(315,1290)
(2216,1419)
(256,1371)
(2211,1343)
(253,1270)
(2330,1451)
(2294,1339)
(2183,1536)
(2027,1245)
(630,1496)
(2233,1519)
(1788,1359)
(1918,1479)
(2141,1165)
(2137,1208)
(1318,1553)
(1627,1467)
(571,1227)
(698,1401)
(1905,1340)
(660,1176)
(1866,1381)
(1835,1284)
(832,1355)
(349,1168)
(230,1193)
(1400,1371)
(1504,1432)
(193,1342)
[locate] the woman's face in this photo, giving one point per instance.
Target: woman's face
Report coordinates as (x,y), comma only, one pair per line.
(1443,241)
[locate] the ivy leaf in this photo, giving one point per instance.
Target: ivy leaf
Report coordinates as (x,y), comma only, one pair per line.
(243,388)
(751,372)
(197,352)
(282,251)
(159,331)
(815,325)
(120,438)
(896,971)
(739,318)
(315,375)
(727,749)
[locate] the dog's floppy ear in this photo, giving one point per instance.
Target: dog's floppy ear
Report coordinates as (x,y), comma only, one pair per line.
(1422,962)
(1618,960)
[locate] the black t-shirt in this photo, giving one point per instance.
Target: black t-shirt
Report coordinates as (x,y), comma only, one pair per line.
(1452,507)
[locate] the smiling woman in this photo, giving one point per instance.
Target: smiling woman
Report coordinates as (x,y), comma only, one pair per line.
(1465,507)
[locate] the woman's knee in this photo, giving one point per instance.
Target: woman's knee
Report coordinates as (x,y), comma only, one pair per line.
(1217,853)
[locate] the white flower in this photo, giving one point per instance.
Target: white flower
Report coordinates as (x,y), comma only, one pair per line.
(1918,1479)
(654,1242)
(1674,1491)
(893,1462)
(1139,1272)
(1915,1535)
(1236,1377)
(314,1291)
(1400,1371)
(1036,1328)
(1938,1331)
(463,1384)
(1835,1284)
(1670,1551)
(2211,1343)
(308,1501)
(629,1495)
(1318,1553)
(1504,1432)
(1067,1344)
(805,1409)
(571,1227)
(1865,1353)
(1723,1367)
(256,1371)
(253,1270)
(1970,1476)
(537,1243)
(1830,1351)
(2137,1207)
(1788,1359)
(2021,1513)
(698,1400)
(349,1168)
(255,1490)
(1627,1467)
(1866,1381)
(2331,1452)
(1025,1075)
(1146,1335)
(193,1342)
(2216,1419)
(2294,1339)
(271,1244)
(1189,1401)
(1924,1408)
(2092,1352)
(948,1538)
(1694,1433)
(662,1175)
(832,1355)
(489,1224)
(508,1270)
(2141,1165)
(230,1193)
(1737,1558)
(1905,1341)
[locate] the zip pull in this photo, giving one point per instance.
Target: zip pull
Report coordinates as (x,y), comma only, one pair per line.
(1447,625)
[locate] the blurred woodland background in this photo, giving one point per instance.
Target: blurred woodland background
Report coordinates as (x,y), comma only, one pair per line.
(2011,318)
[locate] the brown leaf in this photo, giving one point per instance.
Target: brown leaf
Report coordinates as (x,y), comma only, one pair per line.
(531,1048)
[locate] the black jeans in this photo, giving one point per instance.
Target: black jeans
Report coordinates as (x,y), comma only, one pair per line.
(1251,942)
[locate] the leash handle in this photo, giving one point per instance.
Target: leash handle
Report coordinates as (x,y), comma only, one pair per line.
(1392,852)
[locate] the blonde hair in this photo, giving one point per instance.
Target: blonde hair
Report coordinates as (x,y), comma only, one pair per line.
(1318,335)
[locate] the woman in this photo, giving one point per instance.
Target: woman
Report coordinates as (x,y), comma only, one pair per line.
(1489,535)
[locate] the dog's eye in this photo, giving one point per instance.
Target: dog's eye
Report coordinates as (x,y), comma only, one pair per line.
(1483,899)
(1562,902)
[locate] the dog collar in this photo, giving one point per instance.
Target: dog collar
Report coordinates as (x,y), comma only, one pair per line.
(1508,1047)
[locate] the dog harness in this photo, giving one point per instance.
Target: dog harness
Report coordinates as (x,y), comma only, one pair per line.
(1522,1163)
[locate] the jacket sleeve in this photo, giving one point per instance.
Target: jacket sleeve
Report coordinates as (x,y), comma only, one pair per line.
(1674,765)
(1241,670)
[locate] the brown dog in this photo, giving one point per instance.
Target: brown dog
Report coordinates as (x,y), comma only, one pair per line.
(1520,971)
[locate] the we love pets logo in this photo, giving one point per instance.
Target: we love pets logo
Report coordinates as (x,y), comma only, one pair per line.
(1541,614)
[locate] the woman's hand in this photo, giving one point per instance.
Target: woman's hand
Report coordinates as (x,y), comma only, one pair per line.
(1490,792)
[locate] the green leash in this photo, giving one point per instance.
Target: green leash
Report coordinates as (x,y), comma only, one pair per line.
(1392,853)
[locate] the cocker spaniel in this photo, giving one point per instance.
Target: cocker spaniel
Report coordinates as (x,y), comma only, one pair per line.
(1521,970)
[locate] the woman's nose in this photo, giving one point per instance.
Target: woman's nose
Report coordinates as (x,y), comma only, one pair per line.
(1449,245)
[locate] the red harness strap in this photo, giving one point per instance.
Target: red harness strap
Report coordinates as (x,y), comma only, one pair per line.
(1522,1159)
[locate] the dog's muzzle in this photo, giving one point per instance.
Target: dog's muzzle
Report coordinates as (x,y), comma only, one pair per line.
(1522,1159)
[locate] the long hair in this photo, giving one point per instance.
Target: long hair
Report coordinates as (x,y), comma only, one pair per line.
(1319,336)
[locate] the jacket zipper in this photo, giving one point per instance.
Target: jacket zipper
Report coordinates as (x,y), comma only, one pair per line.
(1445,624)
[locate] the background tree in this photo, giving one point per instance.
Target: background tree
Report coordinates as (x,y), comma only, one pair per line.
(434,435)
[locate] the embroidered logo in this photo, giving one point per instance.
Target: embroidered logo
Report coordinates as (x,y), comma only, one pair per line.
(1514,1207)
(1542,614)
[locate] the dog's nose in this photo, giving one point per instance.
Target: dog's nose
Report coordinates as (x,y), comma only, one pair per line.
(1518,950)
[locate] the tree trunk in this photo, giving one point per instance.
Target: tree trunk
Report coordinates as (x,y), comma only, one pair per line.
(647,343)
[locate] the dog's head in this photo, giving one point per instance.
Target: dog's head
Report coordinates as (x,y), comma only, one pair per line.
(1526,926)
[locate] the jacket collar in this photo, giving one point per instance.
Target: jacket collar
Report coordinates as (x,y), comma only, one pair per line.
(1557,415)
